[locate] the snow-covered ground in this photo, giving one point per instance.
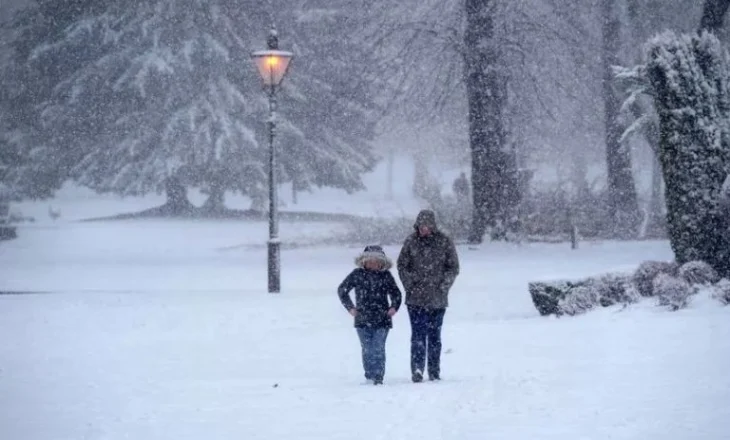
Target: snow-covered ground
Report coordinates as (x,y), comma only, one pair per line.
(164,330)
(377,200)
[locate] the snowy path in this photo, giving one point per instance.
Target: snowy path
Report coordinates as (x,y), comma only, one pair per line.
(173,361)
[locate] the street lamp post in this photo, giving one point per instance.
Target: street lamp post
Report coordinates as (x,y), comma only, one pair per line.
(272,65)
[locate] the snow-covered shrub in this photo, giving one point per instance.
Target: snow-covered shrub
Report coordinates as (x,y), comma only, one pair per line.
(580,300)
(613,288)
(673,292)
(689,79)
(565,297)
(721,291)
(546,296)
(648,270)
(698,272)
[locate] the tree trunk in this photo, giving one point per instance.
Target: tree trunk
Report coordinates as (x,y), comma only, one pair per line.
(656,223)
(177,198)
(579,176)
(485,87)
(713,15)
(420,174)
(389,183)
(215,203)
(622,200)
(258,202)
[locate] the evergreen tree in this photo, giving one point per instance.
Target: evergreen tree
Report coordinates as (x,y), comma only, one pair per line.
(134,99)
(689,77)
(504,72)
(33,168)
(332,86)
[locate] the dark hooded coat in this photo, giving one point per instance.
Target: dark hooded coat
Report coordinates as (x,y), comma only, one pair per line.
(428,266)
(375,291)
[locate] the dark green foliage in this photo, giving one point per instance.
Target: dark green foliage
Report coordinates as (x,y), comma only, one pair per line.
(689,79)
(546,296)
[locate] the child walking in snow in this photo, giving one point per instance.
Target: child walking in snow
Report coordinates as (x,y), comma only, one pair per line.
(377,299)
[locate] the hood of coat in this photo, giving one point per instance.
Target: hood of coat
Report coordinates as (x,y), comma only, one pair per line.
(374,252)
(426,218)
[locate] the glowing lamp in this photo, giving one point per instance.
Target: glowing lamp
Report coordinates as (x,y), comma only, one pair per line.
(272,65)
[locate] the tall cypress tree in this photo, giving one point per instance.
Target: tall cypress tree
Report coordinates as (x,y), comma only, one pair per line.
(689,76)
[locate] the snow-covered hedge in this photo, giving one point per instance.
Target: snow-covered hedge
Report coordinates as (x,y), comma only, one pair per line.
(698,272)
(673,285)
(580,300)
(647,271)
(565,297)
(546,296)
(673,292)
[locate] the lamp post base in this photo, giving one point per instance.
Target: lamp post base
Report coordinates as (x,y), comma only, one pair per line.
(274,265)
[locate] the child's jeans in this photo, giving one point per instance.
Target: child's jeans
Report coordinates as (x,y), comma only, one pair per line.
(372,341)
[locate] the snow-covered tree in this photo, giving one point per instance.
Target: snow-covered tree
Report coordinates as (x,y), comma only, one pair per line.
(139,96)
(29,167)
(333,88)
(488,69)
(645,19)
(622,199)
(689,78)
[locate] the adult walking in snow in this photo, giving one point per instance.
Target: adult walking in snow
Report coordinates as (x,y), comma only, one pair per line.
(377,299)
(427,265)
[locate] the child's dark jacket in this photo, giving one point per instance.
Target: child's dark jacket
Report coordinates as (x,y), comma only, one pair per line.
(375,293)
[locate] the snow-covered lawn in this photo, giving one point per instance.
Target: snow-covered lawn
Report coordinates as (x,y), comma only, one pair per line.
(376,200)
(164,330)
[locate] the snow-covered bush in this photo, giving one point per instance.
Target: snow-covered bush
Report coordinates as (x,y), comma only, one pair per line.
(566,297)
(648,270)
(614,288)
(673,292)
(721,291)
(580,300)
(698,272)
(546,296)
